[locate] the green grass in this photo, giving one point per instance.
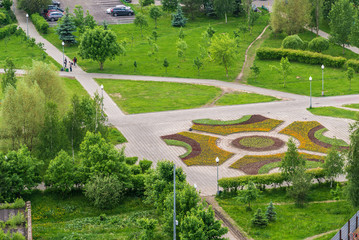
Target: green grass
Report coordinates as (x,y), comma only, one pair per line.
(354,105)
(333,141)
(257,142)
(71,87)
(180,144)
(220,122)
(243,98)
(138,48)
(54,217)
(21,54)
(334,112)
(266,168)
(335,82)
(140,96)
(292,222)
(115,136)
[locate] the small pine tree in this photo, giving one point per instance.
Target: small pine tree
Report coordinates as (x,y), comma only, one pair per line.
(165,64)
(271,215)
(259,220)
(178,19)
(66,28)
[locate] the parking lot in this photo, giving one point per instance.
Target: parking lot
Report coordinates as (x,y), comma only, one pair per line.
(97,8)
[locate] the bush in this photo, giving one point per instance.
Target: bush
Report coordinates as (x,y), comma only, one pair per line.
(148,2)
(7,30)
(292,42)
(300,56)
(353,64)
(131,160)
(138,182)
(318,44)
(135,169)
(145,165)
(105,192)
(18,236)
(40,23)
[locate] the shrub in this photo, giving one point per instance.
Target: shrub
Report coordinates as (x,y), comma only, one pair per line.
(145,165)
(259,220)
(318,44)
(138,183)
(105,192)
(147,2)
(135,169)
(18,236)
(353,64)
(292,42)
(40,23)
(7,30)
(300,56)
(131,160)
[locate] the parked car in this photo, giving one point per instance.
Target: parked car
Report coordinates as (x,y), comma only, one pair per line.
(51,7)
(108,10)
(121,11)
(54,16)
(56,3)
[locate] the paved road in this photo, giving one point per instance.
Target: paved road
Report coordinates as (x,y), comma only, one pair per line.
(143,131)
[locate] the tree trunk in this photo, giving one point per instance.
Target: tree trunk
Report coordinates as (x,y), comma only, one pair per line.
(226,71)
(225,16)
(101,65)
(317,17)
(343,48)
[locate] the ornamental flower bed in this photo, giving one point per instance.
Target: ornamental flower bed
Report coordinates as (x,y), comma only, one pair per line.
(204,149)
(256,123)
(305,133)
(258,143)
(250,164)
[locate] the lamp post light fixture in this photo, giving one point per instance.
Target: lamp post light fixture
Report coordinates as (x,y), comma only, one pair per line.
(27,25)
(310,81)
(322,80)
(217,161)
(63,55)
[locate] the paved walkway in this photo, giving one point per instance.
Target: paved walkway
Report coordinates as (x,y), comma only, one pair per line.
(143,131)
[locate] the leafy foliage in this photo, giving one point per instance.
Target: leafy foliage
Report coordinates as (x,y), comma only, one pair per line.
(318,44)
(169,5)
(155,13)
(292,42)
(250,194)
(301,182)
(9,77)
(292,160)
(334,164)
(141,22)
(352,168)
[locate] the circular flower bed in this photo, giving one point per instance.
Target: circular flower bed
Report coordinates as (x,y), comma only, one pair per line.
(258,143)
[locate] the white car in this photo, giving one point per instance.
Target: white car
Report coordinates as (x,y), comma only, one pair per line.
(108,10)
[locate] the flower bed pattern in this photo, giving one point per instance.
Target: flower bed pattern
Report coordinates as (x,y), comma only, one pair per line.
(250,164)
(304,132)
(254,123)
(204,149)
(257,145)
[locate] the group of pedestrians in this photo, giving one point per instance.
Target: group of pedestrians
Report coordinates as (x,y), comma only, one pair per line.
(73,63)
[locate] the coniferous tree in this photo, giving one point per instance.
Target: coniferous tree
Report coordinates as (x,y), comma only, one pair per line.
(271,215)
(178,20)
(65,29)
(259,220)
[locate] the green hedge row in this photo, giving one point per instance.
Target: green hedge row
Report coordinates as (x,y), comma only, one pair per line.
(40,23)
(353,64)
(308,57)
(7,30)
(276,179)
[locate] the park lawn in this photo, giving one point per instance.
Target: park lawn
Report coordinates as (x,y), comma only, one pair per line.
(308,164)
(21,54)
(72,87)
(292,222)
(55,217)
(354,105)
(138,48)
(275,41)
(148,96)
(334,112)
(335,81)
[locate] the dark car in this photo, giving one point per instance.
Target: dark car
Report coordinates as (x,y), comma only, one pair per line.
(128,1)
(54,16)
(121,11)
(51,7)
(56,3)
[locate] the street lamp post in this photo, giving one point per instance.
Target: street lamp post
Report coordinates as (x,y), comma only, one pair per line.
(63,55)
(310,81)
(27,25)
(217,161)
(322,80)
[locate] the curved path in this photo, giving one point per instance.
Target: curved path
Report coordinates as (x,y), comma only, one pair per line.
(143,131)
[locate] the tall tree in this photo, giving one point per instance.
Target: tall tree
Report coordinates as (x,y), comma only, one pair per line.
(301,182)
(327,6)
(222,50)
(317,5)
(79,18)
(247,6)
(9,78)
(352,168)
(192,7)
(292,160)
(7,4)
(141,22)
(99,45)
(354,34)
(65,28)
(341,19)
(290,16)
(155,13)
(89,21)
(33,6)
(334,164)
(223,7)
(169,5)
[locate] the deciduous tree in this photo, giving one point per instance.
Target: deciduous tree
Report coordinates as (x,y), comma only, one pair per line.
(192,7)
(9,78)
(352,168)
(248,195)
(333,164)
(169,5)
(141,22)
(292,160)
(284,68)
(223,7)
(155,13)
(301,182)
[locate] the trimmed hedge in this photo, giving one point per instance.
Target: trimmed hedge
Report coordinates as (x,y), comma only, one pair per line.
(308,57)
(276,179)
(40,23)
(7,30)
(353,64)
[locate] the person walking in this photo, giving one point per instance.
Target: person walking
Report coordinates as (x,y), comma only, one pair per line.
(70,66)
(65,62)
(75,61)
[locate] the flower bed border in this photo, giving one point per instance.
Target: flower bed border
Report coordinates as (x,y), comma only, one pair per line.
(196,147)
(311,136)
(278,143)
